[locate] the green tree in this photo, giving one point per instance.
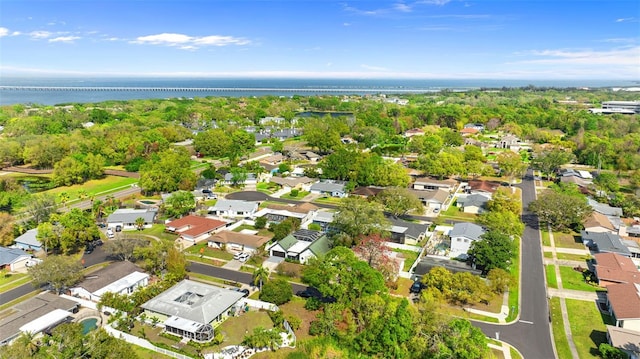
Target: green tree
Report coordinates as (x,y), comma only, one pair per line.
(284,228)
(59,272)
(505,199)
(168,171)
(400,201)
(464,341)
(260,276)
(550,161)
(263,338)
(607,182)
(215,143)
(180,203)
(504,222)
(499,280)
(77,229)
(260,222)
(511,165)
(69,171)
(6,229)
(559,210)
(358,217)
(176,263)
(493,250)
(139,223)
(277,291)
(123,249)
(40,207)
(322,134)
(610,352)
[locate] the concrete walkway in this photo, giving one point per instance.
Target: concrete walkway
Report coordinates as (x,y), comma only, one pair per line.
(555,249)
(573,294)
(504,310)
(505,348)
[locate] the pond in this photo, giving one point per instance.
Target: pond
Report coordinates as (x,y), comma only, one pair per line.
(35,183)
(145,201)
(88,325)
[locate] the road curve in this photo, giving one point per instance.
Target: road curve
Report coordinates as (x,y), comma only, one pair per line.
(531,334)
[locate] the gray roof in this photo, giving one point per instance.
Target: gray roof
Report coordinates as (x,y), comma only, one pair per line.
(233,204)
(477,200)
(229,177)
(30,238)
(329,186)
(9,255)
(413,230)
(129,215)
(30,310)
(324,216)
(605,242)
(107,275)
(427,263)
(604,208)
(194,301)
(466,229)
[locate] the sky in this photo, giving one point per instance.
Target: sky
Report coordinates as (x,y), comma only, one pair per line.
(440,39)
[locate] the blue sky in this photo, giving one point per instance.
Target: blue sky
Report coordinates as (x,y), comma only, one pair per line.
(501,39)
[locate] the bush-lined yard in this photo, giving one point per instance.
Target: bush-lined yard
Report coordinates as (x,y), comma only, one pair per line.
(574,280)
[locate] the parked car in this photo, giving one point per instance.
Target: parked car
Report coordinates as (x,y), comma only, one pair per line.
(245,292)
(312,292)
(88,249)
(416,287)
(242,257)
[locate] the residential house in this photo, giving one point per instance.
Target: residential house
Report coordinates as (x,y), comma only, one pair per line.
(598,222)
(229,179)
(300,183)
(612,268)
(462,235)
(481,187)
(271,163)
(624,339)
(118,278)
(191,309)
(570,172)
(468,131)
(604,208)
(427,263)
(277,213)
(300,246)
(194,228)
(15,259)
(580,182)
(473,203)
(233,208)
(237,241)
(29,241)
(476,126)
(413,132)
(405,232)
(623,301)
(436,200)
(323,219)
(272,121)
(36,315)
(430,184)
(509,142)
(604,242)
(330,188)
(125,218)
(368,191)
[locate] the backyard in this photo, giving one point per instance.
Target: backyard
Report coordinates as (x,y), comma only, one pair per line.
(454,212)
(261,232)
(409,258)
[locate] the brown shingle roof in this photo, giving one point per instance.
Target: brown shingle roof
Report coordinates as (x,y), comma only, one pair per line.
(598,220)
(304,207)
(625,300)
(613,267)
(244,239)
(107,275)
(195,225)
(486,186)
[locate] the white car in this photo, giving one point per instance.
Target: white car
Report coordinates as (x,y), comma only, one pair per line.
(110,233)
(242,257)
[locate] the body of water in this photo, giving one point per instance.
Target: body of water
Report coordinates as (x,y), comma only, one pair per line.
(52,91)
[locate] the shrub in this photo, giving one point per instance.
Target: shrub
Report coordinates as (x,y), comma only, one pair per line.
(312,304)
(294,322)
(260,222)
(295,193)
(277,291)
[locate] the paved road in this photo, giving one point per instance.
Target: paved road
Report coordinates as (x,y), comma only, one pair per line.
(232,275)
(16,293)
(531,335)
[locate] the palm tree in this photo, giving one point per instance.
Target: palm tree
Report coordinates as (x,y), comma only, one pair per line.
(64,198)
(26,341)
(140,223)
(260,275)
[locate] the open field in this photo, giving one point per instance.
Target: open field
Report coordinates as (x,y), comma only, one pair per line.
(94,187)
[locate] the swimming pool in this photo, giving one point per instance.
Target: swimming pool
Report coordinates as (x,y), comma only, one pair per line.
(88,325)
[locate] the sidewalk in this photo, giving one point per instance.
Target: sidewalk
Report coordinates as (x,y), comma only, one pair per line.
(573,294)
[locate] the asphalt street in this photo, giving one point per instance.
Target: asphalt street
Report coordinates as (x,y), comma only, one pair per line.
(531,334)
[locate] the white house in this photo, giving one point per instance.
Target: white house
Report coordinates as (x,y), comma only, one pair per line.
(462,235)
(301,246)
(330,188)
(15,259)
(237,241)
(125,218)
(473,203)
(29,240)
(233,208)
(119,278)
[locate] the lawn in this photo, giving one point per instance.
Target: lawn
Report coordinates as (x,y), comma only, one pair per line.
(328,200)
(403,287)
(301,195)
(552,281)
(454,212)
(267,187)
(410,258)
(295,307)
(557,325)
(546,240)
(144,353)
(574,280)
(207,251)
(6,278)
(568,240)
(514,289)
(548,254)
(587,327)
(95,187)
(157,230)
(574,257)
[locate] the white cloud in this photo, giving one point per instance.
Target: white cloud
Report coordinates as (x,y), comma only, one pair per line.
(40,34)
(434,2)
(67,39)
(4,31)
(402,7)
(346,24)
(16,33)
(615,57)
(187,42)
(626,19)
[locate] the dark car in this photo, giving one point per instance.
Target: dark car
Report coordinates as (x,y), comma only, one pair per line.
(88,249)
(97,242)
(310,292)
(245,292)
(416,287)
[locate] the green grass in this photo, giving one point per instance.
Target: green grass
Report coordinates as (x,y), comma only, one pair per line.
(207,251)
(234,329)
(410,258)
(548,254)
(567,240)
(573,257)
(552,281)
(574,280)
(157,230)
(301,194)
(328,200)
(546,240)
(7,277)
(557,325)
(144,353)
(95,187)
(514,353)
(587,327)
(261,232)
(454,212)
(514,289)
(267,187)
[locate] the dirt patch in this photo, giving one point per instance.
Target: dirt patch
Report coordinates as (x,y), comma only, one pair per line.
(296,308)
